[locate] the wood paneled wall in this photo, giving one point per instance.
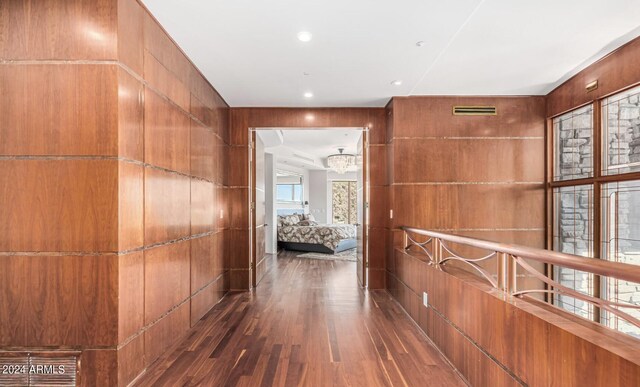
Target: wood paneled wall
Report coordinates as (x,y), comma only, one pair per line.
(478,176)
(113,208)
(614,72)
(244,118)
(494,342)
(469,175)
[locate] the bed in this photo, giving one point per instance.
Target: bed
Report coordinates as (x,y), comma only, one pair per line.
(299,234)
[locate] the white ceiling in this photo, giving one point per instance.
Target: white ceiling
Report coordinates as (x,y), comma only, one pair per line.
(309,149)
(249,51)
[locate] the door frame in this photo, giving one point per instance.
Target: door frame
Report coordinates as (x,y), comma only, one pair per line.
(252,198)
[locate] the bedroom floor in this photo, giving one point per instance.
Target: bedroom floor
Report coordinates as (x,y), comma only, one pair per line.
(308,323)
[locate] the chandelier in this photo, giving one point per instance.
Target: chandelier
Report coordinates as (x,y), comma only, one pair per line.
(340,162)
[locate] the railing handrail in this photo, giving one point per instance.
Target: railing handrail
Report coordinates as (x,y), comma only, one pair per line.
(618,270)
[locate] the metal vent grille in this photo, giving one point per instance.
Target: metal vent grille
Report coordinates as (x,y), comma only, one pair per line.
(475,111)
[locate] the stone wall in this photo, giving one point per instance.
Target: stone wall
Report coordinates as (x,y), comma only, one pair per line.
(622,133)
(575,137)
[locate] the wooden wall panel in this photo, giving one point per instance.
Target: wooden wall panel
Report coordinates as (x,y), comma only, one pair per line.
(58,29)
(202,207)
(131,294)
(58,205)
(203,269)
(469,206)
(130,30)
(203,152)
(167,206)
(163,81)
(106,121)
(432,117)
(166,134)
(48,300)
(130,117)
(130,360)
(421,160)
(210,295)
(65,109)
(238,207)
(528,342)
(130,206)
(166,274)
(614,72)
(166,332)
(160,45)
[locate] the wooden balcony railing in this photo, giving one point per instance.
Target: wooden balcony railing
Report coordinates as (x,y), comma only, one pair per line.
(509,257)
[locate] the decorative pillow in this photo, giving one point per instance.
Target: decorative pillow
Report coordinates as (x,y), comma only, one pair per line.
(307,223)
(311,218)
(290,220)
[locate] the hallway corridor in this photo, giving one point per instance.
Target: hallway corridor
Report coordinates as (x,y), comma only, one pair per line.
(307,324)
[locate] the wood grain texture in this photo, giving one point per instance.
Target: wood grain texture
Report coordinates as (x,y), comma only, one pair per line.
(432,117)
(166,134)
(237,248)
(167,331)
(130,30)
(203,265)
(98,204)
(48,300)
(58,109)
(160,45)
(202,207)
(130,361)
(166,274)
(167,206)
(130,206)
(468,206)
(238,207)
(613,72)
(203,152)
(130,117)
(207,297)
(58,29)
(59,205)
(162,80)
(244,118)
(238,162)
(468,160)
(130,294)
(525,335)
(309,325)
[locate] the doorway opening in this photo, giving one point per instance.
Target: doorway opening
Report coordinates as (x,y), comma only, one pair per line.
(309,197)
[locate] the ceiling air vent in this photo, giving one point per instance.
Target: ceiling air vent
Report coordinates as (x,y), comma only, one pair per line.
(474,111)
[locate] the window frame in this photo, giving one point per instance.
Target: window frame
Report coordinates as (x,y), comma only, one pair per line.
(598,179)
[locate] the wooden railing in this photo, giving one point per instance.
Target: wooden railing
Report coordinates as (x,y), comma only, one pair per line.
(509,257)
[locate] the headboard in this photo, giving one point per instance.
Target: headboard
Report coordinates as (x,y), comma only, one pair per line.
(289,211)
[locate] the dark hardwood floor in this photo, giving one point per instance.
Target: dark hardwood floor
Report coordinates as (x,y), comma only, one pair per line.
(309,324)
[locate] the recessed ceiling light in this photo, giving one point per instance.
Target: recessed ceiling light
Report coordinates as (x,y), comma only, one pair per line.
(420,43)
(304,36)
(397,82)
(308,94)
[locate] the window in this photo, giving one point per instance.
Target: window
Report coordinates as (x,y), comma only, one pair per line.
(573,136)
(289,188)
(621,243)
(344,202)
(598,189)
(289,193)
(573,234)
(621,133)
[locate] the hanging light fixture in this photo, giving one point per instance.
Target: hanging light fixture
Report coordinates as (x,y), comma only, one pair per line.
(340,162)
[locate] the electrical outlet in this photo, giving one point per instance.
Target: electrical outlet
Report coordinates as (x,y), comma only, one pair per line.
(425,299)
